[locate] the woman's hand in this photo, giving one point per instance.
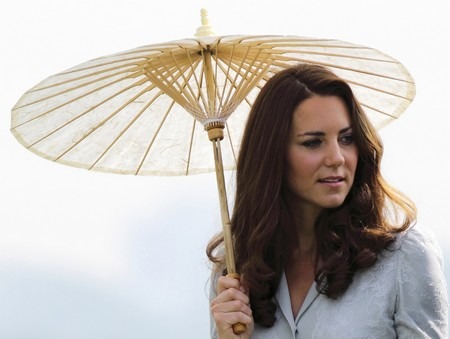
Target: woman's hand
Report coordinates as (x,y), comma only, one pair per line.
(231,306)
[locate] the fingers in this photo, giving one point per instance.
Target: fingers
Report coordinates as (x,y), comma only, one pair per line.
(225,283)
(225,303)
(231,305)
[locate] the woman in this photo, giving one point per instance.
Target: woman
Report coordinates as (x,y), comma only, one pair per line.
(325,247)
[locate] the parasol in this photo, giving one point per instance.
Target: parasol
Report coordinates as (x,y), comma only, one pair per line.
(126,113)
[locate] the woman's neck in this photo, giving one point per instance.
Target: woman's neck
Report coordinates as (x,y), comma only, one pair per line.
(304,220)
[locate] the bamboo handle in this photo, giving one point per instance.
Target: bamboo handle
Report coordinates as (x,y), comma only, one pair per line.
(215,134)
(238,328)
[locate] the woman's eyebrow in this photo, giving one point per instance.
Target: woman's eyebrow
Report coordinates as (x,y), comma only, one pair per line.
(320,133)
(311,133)
(349,128)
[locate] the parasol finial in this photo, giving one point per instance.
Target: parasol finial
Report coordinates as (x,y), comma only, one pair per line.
(205,29)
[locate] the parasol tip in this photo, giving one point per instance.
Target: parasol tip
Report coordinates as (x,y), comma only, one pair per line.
(205,29)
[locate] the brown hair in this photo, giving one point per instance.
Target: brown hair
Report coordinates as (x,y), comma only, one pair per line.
(349,238)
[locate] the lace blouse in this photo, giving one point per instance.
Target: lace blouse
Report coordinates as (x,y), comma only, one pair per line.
(403,295)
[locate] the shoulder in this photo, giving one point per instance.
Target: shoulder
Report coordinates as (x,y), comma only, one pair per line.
(418,244)
(421,302)
(418,251)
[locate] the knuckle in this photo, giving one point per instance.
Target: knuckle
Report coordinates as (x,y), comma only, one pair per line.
(240,306)
(227,281)
(234,294)
(215,312)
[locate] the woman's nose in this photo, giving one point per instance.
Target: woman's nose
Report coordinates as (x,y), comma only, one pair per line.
(334,156)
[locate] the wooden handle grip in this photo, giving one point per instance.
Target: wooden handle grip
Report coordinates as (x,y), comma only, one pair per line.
(238,328)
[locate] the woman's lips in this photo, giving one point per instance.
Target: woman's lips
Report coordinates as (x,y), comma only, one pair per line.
(332,181)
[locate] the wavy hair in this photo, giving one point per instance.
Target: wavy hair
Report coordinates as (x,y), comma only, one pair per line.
(349,238)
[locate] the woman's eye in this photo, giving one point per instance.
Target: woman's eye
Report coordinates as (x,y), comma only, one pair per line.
(347,139)
(312,143)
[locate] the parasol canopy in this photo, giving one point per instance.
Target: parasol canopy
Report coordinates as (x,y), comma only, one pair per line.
(128,112)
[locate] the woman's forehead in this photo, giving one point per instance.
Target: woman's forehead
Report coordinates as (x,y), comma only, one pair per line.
(320,113)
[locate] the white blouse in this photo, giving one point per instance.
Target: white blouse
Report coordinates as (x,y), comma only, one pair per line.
(404,295)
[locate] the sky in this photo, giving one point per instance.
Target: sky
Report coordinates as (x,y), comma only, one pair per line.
(95,255)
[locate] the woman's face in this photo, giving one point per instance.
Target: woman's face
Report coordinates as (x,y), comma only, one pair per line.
(321,155)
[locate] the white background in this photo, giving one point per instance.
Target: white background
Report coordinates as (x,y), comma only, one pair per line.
(89,255)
